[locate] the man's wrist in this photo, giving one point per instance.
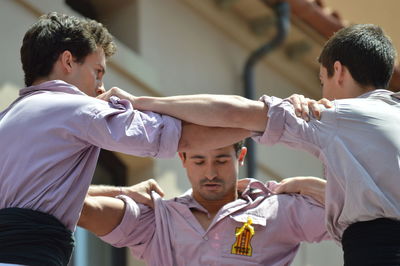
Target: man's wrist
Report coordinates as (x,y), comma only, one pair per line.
(138,102)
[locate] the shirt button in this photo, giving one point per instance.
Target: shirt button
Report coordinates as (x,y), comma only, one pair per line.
(205,238)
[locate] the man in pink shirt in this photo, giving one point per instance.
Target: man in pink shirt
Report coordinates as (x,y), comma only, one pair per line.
(357,140)
(211,224)
(52,134)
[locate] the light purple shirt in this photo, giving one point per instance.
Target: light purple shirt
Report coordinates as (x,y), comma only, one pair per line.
(359,143)
(171,235)
(50,141)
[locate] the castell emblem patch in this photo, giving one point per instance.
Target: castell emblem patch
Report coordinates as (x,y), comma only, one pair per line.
(244,234)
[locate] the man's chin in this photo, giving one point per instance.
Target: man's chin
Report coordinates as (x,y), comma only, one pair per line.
(212,196)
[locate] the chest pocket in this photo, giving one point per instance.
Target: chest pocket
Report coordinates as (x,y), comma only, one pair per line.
(244,236)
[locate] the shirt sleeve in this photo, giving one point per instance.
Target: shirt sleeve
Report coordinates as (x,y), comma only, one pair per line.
(285,127)
(116,126)
(136,229)
(304,218)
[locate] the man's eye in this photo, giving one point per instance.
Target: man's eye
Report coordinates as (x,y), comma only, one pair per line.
(199,163)
(221,162)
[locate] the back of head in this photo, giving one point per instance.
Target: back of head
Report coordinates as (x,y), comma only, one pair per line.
(365,50)
(55,33)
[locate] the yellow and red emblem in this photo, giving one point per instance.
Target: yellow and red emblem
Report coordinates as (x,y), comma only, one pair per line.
(244,234)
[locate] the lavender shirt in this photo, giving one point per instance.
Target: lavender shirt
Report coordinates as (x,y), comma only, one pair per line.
(358,142)
(171,235)
(50,141)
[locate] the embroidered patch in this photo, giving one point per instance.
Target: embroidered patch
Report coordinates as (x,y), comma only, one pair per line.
(242,245)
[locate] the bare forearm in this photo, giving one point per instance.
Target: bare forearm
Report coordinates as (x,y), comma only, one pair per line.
(104,190)
(100,215)
(305,185)
(210,110)
(141,192)
(195,137)
(315,188)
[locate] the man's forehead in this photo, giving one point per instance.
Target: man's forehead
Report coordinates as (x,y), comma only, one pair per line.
(98,56)
(225,151)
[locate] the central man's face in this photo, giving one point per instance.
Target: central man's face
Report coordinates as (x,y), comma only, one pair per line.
(213,174)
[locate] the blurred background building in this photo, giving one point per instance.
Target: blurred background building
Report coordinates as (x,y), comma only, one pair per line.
(170,47)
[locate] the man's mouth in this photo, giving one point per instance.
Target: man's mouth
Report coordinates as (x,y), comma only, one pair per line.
(212,186)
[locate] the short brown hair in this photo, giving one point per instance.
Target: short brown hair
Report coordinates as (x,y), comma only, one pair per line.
(55,33)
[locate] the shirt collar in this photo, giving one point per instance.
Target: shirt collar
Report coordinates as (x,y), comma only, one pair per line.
(376,92)
(254,189)
(188,200)
(52,85)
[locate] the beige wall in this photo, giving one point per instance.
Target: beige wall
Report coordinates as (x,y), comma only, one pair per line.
(179,53)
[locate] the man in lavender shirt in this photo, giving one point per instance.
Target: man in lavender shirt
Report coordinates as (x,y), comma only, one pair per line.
(52,134)
(357,140)
(211,224)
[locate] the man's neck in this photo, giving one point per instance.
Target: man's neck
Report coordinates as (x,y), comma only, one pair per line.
(212,207)
(43,80)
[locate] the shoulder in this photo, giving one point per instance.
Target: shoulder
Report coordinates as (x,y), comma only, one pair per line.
(291,204)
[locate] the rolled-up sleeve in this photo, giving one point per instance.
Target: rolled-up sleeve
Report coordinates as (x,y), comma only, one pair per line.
(136,228)
(116,126)
(304,218)
(285,127)
(276,121)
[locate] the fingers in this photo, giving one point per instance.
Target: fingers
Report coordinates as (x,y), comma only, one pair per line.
(303,106)
(315,106)
(325,102)
(300,105)
(305,110)
(296,101)
(315,109)
(155,187)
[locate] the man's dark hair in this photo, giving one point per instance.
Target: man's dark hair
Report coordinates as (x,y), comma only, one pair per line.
(55,33)
(365,50)
(238,147)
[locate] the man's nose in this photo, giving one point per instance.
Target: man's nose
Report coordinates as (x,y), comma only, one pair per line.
(211,173)
(100,89)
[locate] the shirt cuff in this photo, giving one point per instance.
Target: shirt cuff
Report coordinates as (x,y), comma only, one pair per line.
(276,121)
(131,214)
(170,137)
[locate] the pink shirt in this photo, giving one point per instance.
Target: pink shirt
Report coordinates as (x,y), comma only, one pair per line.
(171,235)
(50,140)
(358,142)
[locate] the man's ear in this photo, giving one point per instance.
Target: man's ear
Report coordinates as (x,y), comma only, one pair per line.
(242,155)
(67,61)
(182,156)
(339,72)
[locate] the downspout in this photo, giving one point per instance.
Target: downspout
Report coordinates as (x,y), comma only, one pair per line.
(282,12)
